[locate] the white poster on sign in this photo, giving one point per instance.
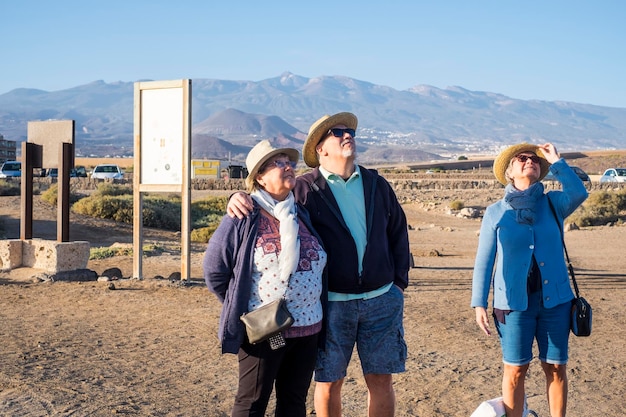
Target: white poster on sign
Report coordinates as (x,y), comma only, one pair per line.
(162,114)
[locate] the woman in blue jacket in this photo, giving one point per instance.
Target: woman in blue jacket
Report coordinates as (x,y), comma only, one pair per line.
(273,253)
(521,239)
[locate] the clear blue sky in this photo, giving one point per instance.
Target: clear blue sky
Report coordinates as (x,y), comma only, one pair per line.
(568,50)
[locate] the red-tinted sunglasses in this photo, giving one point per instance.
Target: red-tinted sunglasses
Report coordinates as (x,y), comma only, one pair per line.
(524,158)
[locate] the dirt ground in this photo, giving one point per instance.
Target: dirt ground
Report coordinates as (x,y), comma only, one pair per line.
(149,347)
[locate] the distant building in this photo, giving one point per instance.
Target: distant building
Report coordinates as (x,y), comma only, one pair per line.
(216,169)
(8,149)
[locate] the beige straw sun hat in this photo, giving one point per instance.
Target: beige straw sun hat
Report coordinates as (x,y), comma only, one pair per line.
(318,131)
(501,163)
(260,153)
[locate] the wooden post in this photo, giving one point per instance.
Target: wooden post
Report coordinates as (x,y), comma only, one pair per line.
(185,223)
(31,159)
(66,158)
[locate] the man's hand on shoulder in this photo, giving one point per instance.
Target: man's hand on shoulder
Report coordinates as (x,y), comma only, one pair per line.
(239,205)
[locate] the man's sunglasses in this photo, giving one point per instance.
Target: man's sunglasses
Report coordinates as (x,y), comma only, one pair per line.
(524,158)
(282,164)
(338,133)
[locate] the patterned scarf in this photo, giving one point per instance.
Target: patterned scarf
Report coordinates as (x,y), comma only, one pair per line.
(285,212)
(524,202)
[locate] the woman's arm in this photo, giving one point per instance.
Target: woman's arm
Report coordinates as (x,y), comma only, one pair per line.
(485,260)
(219,259)
(574,191)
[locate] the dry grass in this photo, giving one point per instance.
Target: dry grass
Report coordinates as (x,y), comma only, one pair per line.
(89,163)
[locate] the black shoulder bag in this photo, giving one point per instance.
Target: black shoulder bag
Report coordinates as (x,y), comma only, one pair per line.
(580,323)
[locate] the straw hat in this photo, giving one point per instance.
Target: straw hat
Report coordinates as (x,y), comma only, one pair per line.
(260,153)
(318,131)
(501,163)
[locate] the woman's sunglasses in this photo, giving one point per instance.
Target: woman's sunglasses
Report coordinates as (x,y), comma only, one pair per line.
(338,133)
(282,164)
(524,158)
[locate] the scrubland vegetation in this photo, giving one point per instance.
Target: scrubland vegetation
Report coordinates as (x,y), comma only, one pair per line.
(159,211)
(111,201)
(601,208)
(163,211)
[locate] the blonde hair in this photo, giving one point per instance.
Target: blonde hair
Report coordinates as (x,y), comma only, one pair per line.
(507,172)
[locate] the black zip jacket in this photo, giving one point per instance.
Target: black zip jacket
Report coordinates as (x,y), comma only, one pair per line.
(387,255)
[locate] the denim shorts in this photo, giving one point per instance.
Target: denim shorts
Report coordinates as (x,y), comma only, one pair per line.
(549,326)
(375,325)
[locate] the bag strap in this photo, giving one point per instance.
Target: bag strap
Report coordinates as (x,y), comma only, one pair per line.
(570,268)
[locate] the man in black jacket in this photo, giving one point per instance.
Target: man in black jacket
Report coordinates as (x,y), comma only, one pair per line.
(364,231)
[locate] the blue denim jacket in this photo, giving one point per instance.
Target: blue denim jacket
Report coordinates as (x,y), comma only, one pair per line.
(509,246)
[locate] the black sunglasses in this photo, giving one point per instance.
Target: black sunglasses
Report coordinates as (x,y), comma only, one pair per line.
(524,158)
(338,133)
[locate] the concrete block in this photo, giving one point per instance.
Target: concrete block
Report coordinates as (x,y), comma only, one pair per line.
(53,256)
(10,254)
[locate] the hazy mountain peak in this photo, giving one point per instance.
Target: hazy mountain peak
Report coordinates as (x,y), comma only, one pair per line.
(426,90)
(448,121)
(292,80)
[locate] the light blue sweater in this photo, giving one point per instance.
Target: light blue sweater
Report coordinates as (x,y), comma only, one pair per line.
(509,246)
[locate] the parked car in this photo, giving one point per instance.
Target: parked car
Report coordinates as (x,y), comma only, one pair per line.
(79,171)
(74,172)
(614,175)
(581,174)
(11,169)
(107,171)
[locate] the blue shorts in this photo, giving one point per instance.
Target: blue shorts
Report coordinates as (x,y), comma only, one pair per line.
(549,326)
(375,325)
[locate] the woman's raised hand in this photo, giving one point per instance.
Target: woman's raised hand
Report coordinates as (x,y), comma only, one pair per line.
(549,152)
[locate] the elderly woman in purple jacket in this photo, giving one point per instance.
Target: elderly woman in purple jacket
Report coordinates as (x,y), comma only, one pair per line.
(520,238)
(273,253)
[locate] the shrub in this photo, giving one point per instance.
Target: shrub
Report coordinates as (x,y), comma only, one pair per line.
(203,234)
(208,211)
(601,207)
(152,249)
(159,211)
(212,204)
(206,215)
(8,188)
(457,205)
(109,252)
(106,188)
(162,212)
(104,253)
(51,195)
(118,208)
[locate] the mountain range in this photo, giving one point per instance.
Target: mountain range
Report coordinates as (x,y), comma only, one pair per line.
(417,124)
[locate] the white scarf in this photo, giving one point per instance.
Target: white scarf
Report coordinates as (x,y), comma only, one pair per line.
(285,212)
